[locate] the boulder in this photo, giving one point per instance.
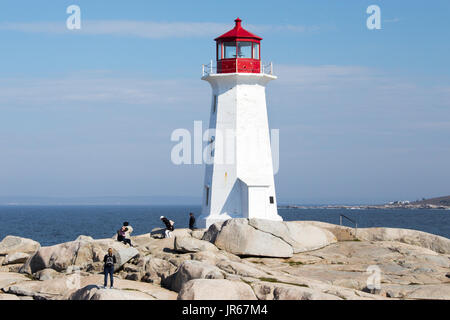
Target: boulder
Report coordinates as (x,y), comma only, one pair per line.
(82,253)
(177,260)
(418,291)
(94,292)
(64,287)
(301,236)
(41,290)
(185,232)
(6,296)
(17,257)
(123,255)
(240,238)
(84,238)
(9,278)
(284,286)
(189,244)
(157,270)
(123,290)
(280,291)
(418,238)
(265,238)
(213,257)
(342,233)
(212,232)
(216,289)
(142,240)
(342,269)
(13,244)
(240,269)
(47,274)
(15,268)
(198,233)
(193,270)
(149,269)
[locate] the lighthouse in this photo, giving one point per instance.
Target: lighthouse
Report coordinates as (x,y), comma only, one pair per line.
(239,180)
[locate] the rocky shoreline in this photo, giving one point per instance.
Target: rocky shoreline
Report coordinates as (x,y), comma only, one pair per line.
(241,259)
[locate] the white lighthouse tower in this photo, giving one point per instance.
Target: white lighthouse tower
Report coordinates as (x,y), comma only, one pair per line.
(239,180)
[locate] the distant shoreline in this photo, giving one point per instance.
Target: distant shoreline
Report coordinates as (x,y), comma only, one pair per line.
(440,203)
(368,207)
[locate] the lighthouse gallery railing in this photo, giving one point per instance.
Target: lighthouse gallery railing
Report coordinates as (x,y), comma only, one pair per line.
(210,68)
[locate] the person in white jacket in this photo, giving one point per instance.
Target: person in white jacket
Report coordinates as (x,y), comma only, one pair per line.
(129,231)
(124,233)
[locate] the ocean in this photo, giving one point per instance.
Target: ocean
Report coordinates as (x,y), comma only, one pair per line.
(50,225)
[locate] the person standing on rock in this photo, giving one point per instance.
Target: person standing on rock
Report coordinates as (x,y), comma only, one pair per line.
(108,268)
(169,226)
(191,221)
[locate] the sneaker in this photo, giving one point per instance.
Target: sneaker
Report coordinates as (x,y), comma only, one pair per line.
(111,287)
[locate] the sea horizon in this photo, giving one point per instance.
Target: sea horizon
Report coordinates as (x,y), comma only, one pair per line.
(153,200)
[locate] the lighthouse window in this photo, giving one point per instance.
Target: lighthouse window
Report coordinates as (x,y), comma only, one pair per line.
(271,200)
(219,51)
(207,195)
(215,104)
(244,49)
(229,50)
(255,51)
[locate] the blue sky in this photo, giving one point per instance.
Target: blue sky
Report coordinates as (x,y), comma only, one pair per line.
(364,115)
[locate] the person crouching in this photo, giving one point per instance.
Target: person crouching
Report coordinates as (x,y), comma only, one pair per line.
(169,226)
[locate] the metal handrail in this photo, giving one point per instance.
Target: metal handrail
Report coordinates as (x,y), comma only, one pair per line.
(351,220)
(267,67)
(209,68)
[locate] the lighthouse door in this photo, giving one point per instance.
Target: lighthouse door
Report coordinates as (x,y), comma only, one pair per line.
(257,198)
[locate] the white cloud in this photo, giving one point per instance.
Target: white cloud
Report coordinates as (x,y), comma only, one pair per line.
(393,20)
(95,88)
(147,29)
(317,76)
(351,88)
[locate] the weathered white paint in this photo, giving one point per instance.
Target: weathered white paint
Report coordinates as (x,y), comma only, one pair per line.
(240,178)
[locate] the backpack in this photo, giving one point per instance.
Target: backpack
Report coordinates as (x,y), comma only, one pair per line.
(109,261)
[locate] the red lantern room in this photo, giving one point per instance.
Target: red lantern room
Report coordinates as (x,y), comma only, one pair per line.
(238,51)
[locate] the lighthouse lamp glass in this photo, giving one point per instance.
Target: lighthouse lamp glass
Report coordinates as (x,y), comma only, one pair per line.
(244,49)
(229,50)
(255,51)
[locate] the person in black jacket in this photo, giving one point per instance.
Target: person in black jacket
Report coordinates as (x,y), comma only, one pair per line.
(169,226)
(108,268)
(191,221)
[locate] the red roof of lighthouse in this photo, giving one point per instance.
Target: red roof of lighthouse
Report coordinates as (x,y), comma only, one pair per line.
(238,32)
